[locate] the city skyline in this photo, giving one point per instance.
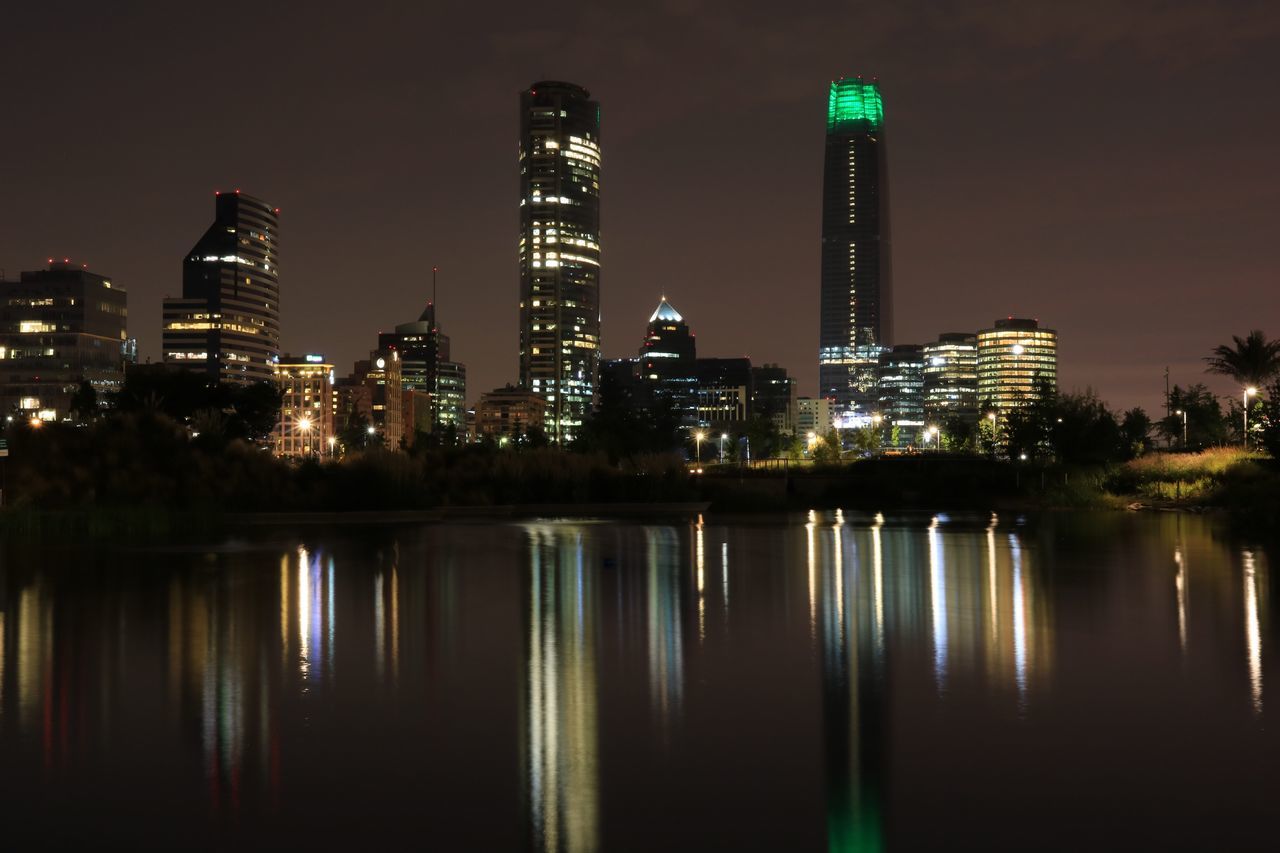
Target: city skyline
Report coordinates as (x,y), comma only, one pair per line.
(1027,212)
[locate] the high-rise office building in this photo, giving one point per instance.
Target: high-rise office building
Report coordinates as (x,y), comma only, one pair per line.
(1017,364)
(426,367)
(667,363)
(901,394)
(951,378)
(857,282)
(59,327)
(227,321)
(560,251)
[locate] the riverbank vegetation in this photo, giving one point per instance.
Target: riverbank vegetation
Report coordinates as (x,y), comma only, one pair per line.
(164,446)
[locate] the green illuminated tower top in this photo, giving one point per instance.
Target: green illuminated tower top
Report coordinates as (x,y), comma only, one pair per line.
(854,105)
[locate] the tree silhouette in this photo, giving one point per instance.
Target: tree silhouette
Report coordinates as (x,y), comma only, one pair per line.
(1251,360)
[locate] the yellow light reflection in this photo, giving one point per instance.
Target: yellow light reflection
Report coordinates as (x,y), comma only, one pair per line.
(395,624)
(284,608)
(562,758)
(35,653)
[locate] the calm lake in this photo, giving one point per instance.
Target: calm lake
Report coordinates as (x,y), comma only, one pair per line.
(826,681)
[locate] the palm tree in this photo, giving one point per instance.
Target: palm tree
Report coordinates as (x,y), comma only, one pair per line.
(1251,361)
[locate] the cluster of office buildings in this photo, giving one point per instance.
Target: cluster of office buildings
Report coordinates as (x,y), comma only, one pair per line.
(865,379)
(65,325)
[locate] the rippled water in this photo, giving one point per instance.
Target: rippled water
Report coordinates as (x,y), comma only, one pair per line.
(813,682)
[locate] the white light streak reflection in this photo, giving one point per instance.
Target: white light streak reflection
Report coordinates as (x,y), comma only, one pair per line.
(700,561)
(938,605)
(1019,621)
(993,616)
(724,576)
(1252,633)
(809,529)
(838,571)
(304,613)
(379,629)
(562,757)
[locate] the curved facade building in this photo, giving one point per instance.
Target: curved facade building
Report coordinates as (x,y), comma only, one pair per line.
(857,282)
(1017,364)
(560,251)
(227,321)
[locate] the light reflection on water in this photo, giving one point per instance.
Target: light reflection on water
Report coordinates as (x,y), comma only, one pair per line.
(257,672)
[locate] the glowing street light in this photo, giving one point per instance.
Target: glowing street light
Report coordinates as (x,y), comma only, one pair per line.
(1248,392)
(932,432)
(304,426)
(1183,412)
(723,436)
(36,423)
(333,443)
(697,442)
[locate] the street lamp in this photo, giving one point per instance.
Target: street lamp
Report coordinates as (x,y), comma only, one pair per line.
(697,440)
(1183,412)
(1248,392)
(304,424)
(813,439)
(333,442)
(933,431)
(723,436)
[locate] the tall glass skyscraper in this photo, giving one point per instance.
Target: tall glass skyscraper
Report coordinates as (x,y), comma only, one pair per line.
(227,321)
(560,251)
(857,283)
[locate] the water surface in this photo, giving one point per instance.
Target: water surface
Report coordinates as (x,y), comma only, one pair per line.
(826,681)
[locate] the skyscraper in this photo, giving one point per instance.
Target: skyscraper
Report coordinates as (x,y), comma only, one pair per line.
(560,251)
(857,284)
(426,367)
(667,363)
(227,321)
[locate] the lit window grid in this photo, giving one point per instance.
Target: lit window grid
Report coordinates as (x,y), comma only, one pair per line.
(1009,379)
(306,392)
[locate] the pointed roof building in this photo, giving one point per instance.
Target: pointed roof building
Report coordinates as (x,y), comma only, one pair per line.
(665,313)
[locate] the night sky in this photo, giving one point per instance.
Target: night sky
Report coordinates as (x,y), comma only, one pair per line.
(1111,171)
